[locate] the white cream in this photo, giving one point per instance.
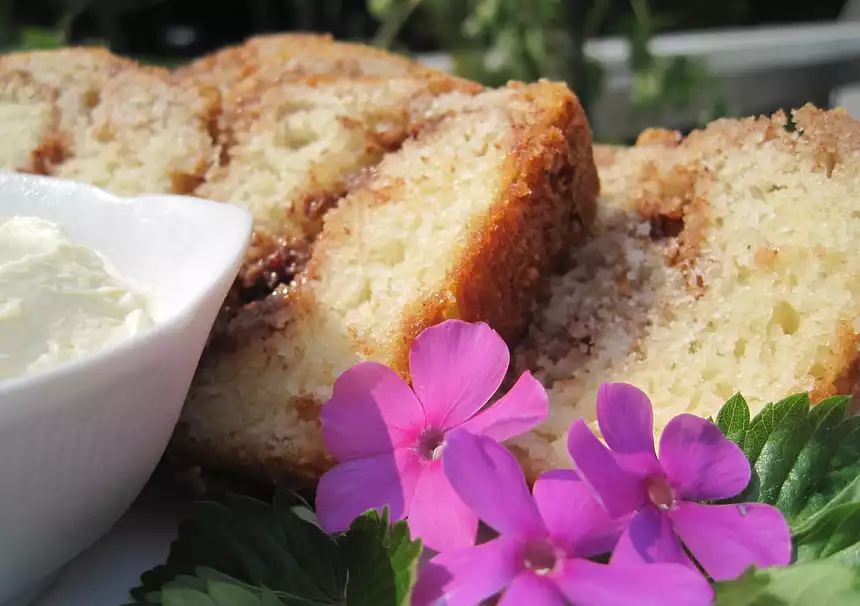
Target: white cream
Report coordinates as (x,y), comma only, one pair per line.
(59,300)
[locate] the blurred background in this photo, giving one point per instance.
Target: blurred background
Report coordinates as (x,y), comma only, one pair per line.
(677,63)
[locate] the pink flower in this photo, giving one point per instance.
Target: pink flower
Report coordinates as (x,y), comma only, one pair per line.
(697,463)
(539,557)
(390,442)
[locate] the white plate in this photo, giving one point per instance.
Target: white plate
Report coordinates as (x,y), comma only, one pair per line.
(102,575)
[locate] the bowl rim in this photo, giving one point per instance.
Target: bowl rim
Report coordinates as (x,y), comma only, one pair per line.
(238,239)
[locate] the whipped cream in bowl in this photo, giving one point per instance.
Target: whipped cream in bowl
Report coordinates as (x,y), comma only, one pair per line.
(60,300)
(106,303)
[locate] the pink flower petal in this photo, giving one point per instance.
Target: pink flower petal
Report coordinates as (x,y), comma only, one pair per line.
(650,538)
(618,491)
(529,588)
(727,539)
(456,368)
(573,517)
(489,480)
(626,419)
(372,411)
(587,583)
(438,516)
(700,462)
(466,577)
(523,408)
(353,488)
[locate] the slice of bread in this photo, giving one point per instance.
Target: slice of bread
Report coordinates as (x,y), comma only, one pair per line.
(466,220)
(727,261)
(94,117)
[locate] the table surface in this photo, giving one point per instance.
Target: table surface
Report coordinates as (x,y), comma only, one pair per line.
(102,575)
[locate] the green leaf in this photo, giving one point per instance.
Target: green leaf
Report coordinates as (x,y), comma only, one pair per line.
(835,535)
(792,410)
(806,462)
(814,459)
(833,531)
(258,544)
(791,448)
(822,583)
(210,588)
(733,419)
(844,468)
(244,552)
(382,561)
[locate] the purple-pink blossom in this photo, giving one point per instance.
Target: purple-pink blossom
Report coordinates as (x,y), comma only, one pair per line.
(697,463)
(389,439)
(545,538)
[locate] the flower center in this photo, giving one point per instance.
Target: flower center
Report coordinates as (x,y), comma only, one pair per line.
(430,443)
(660,492)
(541,557)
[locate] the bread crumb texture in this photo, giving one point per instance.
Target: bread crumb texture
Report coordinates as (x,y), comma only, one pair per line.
(88,115)
(724,262)
(463,221)
(290,147)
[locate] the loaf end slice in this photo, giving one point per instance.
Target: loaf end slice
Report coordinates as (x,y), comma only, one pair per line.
(723,262)
(120,126)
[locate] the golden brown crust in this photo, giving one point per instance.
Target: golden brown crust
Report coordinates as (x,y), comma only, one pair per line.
(843,372)
(548,204)
(298,56)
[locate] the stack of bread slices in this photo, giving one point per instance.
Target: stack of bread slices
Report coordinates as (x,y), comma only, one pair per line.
(388,197)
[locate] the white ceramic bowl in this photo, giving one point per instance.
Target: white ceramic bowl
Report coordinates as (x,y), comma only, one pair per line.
(79,441)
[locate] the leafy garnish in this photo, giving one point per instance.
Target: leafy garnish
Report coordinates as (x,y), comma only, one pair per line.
(805,461)
(207,587)
(821,582)
(802,456)
(256,553)
(734,419)
(382,561)
(833,531)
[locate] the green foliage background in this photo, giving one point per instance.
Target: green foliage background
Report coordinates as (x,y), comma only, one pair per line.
(491,41)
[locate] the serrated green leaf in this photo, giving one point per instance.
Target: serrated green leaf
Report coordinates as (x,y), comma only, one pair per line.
(382,561)
(207,585)
(813,459)
(785,413)
(842,470)
(847,496)
(818,411)
(835,535)
(806,462)
(243,552)
(733,419)
(258,544)
(822,583)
